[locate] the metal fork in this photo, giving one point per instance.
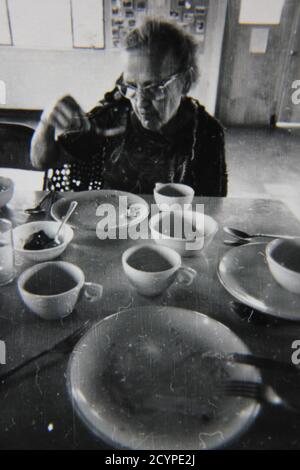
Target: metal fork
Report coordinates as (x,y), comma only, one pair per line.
(260,392)
(62,347)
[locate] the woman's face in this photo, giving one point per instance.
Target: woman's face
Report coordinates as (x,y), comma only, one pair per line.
(141,68)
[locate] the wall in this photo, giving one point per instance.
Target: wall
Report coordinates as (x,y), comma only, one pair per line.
(209,62)
(288,107)
(34,78)
(249,83)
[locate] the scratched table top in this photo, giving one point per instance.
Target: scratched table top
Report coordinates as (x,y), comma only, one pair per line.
(36,411)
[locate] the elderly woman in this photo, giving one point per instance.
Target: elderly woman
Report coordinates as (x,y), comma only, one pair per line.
(145,131)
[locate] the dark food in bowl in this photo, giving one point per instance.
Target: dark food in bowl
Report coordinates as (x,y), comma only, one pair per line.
(40,241)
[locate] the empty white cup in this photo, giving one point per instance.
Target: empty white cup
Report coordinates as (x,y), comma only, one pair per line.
(188,232)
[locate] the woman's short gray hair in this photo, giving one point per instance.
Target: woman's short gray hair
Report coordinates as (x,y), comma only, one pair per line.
(162,37)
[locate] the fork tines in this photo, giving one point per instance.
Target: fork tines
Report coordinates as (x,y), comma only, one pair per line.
(70,341)
(241,388)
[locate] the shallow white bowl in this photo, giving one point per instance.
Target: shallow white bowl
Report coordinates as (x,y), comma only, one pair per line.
(166,203)
(21,234)
(5,196)
(283,258)
(206,228)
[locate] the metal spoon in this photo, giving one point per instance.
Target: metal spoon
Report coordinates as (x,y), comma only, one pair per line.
(235,242)
(239,234)
(71,209)
(38,209)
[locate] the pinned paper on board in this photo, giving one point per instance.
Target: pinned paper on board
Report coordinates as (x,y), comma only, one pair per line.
(5,34)
(52,25)
(41,25)
(88,24)
(261,11)
(259,40)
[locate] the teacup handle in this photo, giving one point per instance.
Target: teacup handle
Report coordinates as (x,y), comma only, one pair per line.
(92,291)
(186,275)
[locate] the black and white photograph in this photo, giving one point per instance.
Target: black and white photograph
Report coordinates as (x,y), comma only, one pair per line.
(150,227)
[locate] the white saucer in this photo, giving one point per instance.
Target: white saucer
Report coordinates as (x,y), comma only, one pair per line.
(244,273)
(85,216)
(136,382)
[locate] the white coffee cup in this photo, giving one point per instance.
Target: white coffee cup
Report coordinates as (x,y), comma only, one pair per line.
(52,289)
(173,196)
(283,258)
(188,232)
(151,269)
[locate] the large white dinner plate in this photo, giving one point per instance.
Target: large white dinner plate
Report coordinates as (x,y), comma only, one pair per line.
(132,384)
(85,217)
(244,273)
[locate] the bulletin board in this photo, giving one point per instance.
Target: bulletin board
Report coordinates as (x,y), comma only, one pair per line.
(126,15)
(191,15)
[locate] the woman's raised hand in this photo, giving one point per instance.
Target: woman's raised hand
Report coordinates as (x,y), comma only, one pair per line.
(68,116)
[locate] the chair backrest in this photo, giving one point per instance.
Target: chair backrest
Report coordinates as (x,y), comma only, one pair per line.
(15,142)
(15,146)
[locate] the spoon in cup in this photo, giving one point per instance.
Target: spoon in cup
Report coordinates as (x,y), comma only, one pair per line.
(71,209)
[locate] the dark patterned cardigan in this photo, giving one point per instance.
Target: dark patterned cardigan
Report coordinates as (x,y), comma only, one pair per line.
(190,150)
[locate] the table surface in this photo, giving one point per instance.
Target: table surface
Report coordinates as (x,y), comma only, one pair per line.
(37,396)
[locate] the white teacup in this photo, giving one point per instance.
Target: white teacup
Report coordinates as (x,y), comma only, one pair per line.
(283,258)
(188,232)
(172,196)
(152,269)
(52,289)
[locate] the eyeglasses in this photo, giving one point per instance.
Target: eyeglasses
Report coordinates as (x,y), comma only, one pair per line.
(154,92)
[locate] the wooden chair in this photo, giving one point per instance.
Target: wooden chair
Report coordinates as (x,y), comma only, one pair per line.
(15,152)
